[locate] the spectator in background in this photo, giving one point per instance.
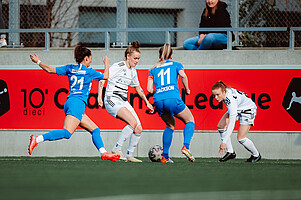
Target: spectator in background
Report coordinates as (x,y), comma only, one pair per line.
(2,26)
(214,15)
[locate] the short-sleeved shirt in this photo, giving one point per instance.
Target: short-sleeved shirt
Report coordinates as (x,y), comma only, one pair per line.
(80,79)
(165,78)
(120,78)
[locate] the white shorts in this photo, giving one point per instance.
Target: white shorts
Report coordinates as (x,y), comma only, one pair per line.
(113,104)
(246,117)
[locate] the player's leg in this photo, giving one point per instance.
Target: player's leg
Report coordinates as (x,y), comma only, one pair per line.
(70,124)
(167,135)
(187,117)
(90,126)
(129,116)
(247,143)
(222,127)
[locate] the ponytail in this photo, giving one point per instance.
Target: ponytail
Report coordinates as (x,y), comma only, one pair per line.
(165,53)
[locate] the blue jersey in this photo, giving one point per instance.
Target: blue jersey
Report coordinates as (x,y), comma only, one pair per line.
(165,78)
(80,79)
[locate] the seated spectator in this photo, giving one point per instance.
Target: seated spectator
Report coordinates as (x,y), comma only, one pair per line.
(214,15)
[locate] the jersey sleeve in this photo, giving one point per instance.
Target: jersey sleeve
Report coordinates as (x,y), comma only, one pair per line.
(96,75)
(180,67)
(135,81)
(63,70)
(150,75)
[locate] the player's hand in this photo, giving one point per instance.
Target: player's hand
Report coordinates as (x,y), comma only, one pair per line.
(223,148)
(106,60)
(187,91)
(34,58)
(100,102)
(150,107)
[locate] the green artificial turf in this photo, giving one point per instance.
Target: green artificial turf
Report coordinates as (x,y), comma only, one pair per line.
(91,178)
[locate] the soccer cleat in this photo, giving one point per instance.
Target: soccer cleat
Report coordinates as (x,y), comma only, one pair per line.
(132,159)
(228,156)
(110,156)
(188,154)
(32,144)
(119,152)
(254,159)
(166,160)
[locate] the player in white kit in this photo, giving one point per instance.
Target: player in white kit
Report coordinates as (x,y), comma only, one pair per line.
(240,107)
(122,75)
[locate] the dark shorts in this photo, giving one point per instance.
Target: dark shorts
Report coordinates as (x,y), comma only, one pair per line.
(169,106)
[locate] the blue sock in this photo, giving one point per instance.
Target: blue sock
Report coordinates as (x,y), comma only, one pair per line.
(167,138)
(188,133)
(57,135)
(96,138)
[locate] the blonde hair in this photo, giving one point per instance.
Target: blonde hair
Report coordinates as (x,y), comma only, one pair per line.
(131,49)
(165,53)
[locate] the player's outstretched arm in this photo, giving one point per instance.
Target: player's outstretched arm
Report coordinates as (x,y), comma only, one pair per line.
(34,58)
(142,95)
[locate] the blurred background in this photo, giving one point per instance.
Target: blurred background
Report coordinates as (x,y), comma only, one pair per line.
(70,14)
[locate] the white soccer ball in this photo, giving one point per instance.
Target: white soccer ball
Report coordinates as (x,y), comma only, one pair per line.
(155,153)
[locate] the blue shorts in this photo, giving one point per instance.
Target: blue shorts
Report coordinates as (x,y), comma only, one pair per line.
(169,106)
(75,107)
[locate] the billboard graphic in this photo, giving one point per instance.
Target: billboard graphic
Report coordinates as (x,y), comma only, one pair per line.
(4,98)
(292,99)
(36,99)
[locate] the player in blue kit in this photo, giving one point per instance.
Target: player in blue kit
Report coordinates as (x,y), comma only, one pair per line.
(80,81)
(167,100)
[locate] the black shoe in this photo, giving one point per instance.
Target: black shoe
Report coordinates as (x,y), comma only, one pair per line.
(228,156)
(254,159)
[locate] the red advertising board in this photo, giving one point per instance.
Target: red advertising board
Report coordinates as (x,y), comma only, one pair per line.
(34,99)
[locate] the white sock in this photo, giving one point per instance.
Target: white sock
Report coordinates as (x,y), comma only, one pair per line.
(102,150)
(249,145)
(229,144)
(133,143)
(39,139)
(125,133)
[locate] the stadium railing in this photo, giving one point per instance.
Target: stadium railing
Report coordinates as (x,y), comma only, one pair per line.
(167,32)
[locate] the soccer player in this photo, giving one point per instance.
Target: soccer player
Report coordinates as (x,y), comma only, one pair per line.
(122,75)
(80,81)
(240,107)
(167,100)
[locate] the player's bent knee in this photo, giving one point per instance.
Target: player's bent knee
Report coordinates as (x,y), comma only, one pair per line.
(138,129)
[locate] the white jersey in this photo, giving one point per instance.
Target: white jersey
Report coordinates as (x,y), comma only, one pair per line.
(240,106)
(120,78)
(237,101)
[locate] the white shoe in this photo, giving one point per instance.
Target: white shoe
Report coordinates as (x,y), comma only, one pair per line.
(3,43)
(120,153)
(169,161)
(132,159)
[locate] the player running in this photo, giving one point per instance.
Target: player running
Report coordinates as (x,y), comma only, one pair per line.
(122,75)
(167,100)
(80,82)
(240,107)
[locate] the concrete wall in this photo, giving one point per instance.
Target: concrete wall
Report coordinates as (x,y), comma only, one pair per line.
(272,145)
